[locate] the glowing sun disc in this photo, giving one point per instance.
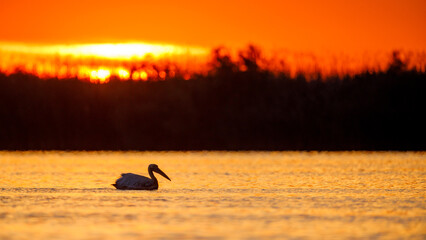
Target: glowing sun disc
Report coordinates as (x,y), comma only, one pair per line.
(104,50)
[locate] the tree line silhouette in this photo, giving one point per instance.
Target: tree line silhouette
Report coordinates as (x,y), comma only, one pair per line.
(237,105)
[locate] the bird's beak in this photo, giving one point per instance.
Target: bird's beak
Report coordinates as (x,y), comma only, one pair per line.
(162,173)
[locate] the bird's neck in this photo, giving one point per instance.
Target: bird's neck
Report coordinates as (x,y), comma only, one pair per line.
(151,174)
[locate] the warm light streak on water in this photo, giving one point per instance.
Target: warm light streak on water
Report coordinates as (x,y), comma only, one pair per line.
(214,195)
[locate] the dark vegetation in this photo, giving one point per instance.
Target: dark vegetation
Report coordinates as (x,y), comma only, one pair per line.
(226,109)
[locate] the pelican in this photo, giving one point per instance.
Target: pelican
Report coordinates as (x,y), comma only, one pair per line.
(130,181)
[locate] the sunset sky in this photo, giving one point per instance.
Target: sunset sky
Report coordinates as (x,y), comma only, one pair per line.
(350,27)
(303,25)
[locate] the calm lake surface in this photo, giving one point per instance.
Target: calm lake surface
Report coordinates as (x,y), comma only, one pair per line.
(214,195)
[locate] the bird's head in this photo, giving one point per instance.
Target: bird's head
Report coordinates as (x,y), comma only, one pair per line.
(155,168)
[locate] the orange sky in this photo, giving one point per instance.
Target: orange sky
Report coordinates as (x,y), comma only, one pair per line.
(323,25)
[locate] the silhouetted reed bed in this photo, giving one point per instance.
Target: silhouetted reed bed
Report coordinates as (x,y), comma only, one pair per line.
(226,109)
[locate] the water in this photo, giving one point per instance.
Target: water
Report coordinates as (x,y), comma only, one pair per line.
(214,195)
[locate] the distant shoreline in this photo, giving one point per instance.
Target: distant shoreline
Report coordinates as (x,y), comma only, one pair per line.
(226,109)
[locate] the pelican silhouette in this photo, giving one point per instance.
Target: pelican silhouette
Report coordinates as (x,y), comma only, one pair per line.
(130,181)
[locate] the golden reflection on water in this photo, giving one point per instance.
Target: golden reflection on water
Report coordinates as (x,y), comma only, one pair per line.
(231,195)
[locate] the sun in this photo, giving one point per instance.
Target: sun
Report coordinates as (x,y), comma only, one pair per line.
(100,76)
(119,51)
(95,62)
